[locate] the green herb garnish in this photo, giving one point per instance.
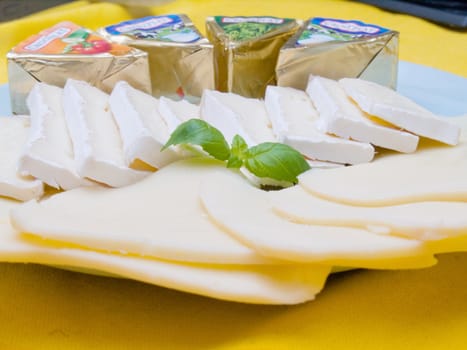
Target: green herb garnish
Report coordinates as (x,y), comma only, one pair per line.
(276,161)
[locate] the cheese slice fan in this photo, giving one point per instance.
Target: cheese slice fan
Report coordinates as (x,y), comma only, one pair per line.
(420,220)
(433,173)
(262,284)
(160,216)
(245,212)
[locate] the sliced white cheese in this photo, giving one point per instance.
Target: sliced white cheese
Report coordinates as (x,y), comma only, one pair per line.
(339,116)
(293,119)
(433,173)
(143,130)
(160,216)
(48,152)
(399,110)
(246,213)
(420,220)
(13,136)
(97,143)
(177,112)
(234,114)
(265,284)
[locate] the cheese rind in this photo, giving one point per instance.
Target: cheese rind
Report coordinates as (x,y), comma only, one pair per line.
(48,152)
(13,136)
(160,216)
(177,112)
(294,118)
(339,116)
(246,213)
(96,139)
(143,130)
(234,114)
(268,284)
(399,110)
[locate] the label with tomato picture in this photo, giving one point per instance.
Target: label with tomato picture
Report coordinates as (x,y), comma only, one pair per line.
(69,38)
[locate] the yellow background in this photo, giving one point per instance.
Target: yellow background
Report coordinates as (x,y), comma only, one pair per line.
(45,308)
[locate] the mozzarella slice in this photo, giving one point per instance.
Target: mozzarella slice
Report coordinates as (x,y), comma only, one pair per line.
(160,216)
(48,152)
(96,140)
(421,220)
(433,173)
(177,112)
(13,136)
(234,114)
(399,110)
(246,213)
(293,119)
(143,130)
(339,116)
(268,284)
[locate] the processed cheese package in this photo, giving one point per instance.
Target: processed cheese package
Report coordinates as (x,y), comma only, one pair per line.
(180,58)
(67,50)
(246,49)
(335,49)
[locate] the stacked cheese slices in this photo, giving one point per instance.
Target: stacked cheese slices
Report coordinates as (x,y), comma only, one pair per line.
(195,225)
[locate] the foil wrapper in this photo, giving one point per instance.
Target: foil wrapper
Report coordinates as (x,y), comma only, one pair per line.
(180,58)
(69,51)
(337,49)
(246,51)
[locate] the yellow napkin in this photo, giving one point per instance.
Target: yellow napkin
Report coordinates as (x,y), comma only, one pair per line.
(45,308)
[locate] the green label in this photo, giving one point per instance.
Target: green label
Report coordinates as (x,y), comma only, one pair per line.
(247,28)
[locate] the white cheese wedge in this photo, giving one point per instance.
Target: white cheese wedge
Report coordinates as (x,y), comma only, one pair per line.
(177,112)
(434,173)
(143,130)
(48,152)
(246,213)
(97,143)
(420,220)
(268,284)
(339,116)
(293,119)
(13,136)
(160,216)
(399,110)
(234,114)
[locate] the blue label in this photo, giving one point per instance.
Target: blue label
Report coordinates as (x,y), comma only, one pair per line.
(170,28)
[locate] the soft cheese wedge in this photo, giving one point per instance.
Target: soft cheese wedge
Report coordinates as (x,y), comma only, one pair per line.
(420,220)
(268,284)
(234,114)
(48,152)
(13,136)
(339,116)
(160,216)
(143,130)
(246,213)
(293,119)
(177,112)
(97,143)
(399,110)
(433,173)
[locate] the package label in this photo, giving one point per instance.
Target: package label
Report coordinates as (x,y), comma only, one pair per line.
(170,28)
(320,30)
(247,28)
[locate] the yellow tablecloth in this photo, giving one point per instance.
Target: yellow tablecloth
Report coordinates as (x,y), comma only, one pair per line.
(46,308)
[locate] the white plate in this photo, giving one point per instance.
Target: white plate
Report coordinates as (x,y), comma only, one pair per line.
(441,92)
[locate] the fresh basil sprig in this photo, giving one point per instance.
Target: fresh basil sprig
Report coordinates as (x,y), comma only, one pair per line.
(266,160)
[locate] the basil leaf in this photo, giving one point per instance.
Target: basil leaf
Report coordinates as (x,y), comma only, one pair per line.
(238,153)
(198,132)
(276,161)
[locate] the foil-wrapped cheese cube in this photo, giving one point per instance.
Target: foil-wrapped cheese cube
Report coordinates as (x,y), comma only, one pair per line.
(336,49)
(246,50)
(180,58)
(68,50)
